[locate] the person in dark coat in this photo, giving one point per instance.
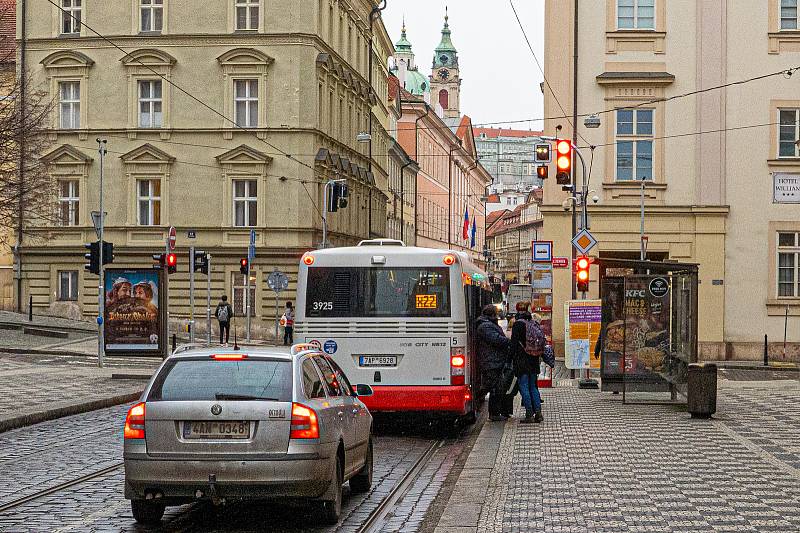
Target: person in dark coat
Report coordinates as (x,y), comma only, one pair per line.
(493,346)
(526,366)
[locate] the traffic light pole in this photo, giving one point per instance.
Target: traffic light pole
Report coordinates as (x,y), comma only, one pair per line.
(325,214)
(247,298)
(191,295)
(101,297)
(208,302)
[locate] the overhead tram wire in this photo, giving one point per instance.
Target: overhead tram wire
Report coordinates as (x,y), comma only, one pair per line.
(184,91)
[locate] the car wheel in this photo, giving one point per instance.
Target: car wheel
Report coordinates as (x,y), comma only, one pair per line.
(331,510)
(362,481)
(146,512)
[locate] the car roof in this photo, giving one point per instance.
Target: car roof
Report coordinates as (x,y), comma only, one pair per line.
(250,351)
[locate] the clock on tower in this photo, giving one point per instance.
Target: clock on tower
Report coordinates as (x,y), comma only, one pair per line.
(444,74)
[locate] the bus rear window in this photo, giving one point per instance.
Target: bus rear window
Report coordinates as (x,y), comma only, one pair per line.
(378,292)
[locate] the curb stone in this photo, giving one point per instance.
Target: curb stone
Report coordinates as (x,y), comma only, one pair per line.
(60,411)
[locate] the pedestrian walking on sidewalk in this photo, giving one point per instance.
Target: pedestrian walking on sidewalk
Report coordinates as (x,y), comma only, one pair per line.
(288,325)
(493,355)
(527,346)
(224,314)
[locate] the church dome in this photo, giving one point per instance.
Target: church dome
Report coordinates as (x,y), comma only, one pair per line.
(416,83)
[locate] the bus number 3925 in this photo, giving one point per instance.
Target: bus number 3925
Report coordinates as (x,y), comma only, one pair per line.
(323,306)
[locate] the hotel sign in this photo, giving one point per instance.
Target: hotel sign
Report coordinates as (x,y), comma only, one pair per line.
(786,188)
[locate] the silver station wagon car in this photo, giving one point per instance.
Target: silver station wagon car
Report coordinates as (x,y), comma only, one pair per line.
(226,425)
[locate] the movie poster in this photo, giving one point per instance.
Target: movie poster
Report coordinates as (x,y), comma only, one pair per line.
(132,319)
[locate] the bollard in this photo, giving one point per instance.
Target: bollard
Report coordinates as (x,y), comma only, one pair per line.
(30,308)
(766,352)
(702,390)
(174,342)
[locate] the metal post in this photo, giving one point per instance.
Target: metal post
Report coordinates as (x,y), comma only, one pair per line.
(641,231)
(785,329)
(101,297)
(247,298)
(277,317)
(766,351)
(191,295)
(208,303)
(325,215)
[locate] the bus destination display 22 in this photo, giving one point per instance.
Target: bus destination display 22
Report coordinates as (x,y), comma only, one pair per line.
(378,292)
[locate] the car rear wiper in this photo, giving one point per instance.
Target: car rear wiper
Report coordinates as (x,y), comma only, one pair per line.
(221,396)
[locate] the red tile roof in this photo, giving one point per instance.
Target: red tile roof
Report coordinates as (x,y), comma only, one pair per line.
(493,216)
(394,87)
(8,31)
(493,133)
(493,199)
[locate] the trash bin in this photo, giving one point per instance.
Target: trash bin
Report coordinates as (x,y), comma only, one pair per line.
(702,390)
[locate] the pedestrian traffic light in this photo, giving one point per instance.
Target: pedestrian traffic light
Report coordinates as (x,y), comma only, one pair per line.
(541,172)
(92,258)
(563,162)
(543,153)
(243,264)
(172,263)
(582,265)
(201,261)
(158,260)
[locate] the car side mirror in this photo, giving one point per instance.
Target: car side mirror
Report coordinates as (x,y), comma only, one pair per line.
(364,390)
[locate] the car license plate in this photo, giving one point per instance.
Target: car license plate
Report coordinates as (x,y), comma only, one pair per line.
(234,429)
(377,360)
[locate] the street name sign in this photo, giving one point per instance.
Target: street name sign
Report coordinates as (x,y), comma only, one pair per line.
(584,241)
(561,262)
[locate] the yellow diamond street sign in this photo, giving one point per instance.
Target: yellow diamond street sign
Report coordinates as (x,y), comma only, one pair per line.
(584,241)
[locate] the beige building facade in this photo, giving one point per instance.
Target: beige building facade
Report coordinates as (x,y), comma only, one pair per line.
(709,160)
(218,123)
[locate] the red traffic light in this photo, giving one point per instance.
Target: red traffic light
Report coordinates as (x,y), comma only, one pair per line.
(541,172)
(243,263)
(582,265)
(563,147)
(172,260)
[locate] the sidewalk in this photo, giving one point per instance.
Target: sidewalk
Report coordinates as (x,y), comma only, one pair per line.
(596,465)
(35,388)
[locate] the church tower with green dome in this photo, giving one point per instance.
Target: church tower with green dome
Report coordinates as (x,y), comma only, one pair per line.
(445,81)
(405,68)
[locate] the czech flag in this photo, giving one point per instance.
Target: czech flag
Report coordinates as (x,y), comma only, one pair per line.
(465,231)
(474,231)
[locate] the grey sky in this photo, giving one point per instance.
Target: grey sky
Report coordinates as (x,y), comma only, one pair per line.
(500,78)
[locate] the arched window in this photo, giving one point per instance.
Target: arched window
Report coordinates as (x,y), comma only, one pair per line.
(444,99)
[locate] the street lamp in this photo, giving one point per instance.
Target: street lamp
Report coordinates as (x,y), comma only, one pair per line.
(364,137)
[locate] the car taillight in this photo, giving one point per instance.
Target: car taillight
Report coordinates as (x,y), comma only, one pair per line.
(458,363)
(304,423)
(134,422)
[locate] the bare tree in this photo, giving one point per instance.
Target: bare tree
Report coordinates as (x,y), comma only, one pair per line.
(27,190)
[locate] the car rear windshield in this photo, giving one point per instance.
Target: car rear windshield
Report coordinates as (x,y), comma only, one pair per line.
(208,379)
(378,292)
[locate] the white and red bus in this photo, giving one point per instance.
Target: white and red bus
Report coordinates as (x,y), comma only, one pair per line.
(398,318)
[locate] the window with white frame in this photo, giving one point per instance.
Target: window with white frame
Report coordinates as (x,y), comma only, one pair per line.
(238,284)
(789,133)
(245,103)
(245,203)
(634,143)
(151,15)
(150,104)
(247,14)
(68,285)
(788,14)
(71,17)
(636,14)
(149,202)
(788,265)
(69,93)
(68,202)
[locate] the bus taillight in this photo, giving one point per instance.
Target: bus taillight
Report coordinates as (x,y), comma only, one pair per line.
(458,364)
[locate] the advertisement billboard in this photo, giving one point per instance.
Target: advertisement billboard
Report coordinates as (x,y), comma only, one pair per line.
(582,319)
(133,312)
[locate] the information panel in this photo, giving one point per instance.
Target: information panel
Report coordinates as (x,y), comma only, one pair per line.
(582,320)
(133,311)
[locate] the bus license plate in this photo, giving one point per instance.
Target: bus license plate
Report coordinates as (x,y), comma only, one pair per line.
(377,360)
(216,430)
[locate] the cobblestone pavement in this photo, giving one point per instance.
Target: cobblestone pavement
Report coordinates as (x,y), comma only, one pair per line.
(43,456)
(596,465)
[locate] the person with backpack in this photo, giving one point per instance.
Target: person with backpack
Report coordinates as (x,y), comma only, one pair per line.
(527,346)
(493,348)
(224,314)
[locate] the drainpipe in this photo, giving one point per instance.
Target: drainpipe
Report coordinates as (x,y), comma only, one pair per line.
(450,198)
(402,199)
(416,157)
(23,105)
(372,16)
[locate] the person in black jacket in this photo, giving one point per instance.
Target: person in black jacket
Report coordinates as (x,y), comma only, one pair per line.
(493,346)
(526,366)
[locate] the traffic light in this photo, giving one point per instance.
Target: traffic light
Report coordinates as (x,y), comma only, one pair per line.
(108,252)
(172,263)
(582,265)
(158,260)
(92,258)
(338,198)
(563,162)
(543,153)
(243,263)
(200,261)
(541,172)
